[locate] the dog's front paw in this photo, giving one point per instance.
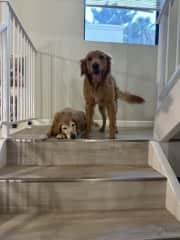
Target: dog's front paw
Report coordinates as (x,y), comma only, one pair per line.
(112,134)
(60,136)
(116,130)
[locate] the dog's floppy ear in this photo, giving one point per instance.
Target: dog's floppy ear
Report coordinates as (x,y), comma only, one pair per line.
(59,127)
(83,66)
(77,125)
(54,130)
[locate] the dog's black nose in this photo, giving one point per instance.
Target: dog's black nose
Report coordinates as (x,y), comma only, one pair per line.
(95,66)
(73,136)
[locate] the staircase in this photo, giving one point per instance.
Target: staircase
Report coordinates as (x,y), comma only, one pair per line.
(82,190)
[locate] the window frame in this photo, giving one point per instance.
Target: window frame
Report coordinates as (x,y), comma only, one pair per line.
(156,40)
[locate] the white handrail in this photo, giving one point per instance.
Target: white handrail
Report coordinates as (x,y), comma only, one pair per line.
(17,72)
(166,79)
(19,23)
(174,78)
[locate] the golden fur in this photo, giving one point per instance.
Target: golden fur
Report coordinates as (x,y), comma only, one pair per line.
(68,123)
(100,88)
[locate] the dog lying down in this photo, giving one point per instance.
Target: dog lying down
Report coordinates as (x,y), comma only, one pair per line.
(68,124)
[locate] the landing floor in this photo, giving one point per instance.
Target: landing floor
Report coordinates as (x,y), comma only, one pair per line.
(143,134)
(124,225)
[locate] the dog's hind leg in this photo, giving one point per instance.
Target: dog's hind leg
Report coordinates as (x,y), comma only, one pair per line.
(116,109)
(103,114)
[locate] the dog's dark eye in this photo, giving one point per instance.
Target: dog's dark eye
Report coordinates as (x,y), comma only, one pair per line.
(101,57)
(73,125)
(89,59)
(64,128)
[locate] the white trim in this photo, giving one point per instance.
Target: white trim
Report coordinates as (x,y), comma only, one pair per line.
(158,161)
(135,5)
(163,11)
(139,124)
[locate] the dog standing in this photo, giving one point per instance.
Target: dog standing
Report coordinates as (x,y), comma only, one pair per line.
(100,88)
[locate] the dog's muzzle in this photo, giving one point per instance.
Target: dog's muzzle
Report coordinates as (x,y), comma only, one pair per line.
(73,136)
(95,67)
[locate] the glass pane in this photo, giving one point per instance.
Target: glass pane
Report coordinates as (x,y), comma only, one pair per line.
(120,25)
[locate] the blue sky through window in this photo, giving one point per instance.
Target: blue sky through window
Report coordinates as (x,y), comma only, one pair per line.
(120,25)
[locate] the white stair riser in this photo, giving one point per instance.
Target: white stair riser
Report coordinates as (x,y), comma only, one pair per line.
(77,153)
(82,196)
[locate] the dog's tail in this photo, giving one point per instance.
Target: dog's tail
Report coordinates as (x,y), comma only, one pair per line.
(130,98)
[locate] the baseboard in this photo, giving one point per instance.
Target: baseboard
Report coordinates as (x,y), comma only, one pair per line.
(136,124)
(43,121)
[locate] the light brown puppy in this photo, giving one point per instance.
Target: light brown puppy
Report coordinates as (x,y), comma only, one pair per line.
(100,88)
(68,124)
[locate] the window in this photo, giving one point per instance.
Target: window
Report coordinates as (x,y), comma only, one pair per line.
(113,21)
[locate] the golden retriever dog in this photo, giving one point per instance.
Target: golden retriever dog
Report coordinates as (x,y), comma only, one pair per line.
(68,124)
(100,88)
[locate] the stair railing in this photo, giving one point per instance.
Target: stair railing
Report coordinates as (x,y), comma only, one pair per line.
(17,71)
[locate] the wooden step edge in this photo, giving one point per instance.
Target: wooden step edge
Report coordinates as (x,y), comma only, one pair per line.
(80,179)
(42,139)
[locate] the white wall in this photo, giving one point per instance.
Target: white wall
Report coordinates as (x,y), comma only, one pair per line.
(172,51)
(57,26)
(167,121)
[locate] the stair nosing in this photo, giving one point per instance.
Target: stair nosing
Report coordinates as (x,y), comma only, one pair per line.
(34,140)
(81,179)
(84,174)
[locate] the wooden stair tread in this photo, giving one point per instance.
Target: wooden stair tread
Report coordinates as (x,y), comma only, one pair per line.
(80,173)
(110,225)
